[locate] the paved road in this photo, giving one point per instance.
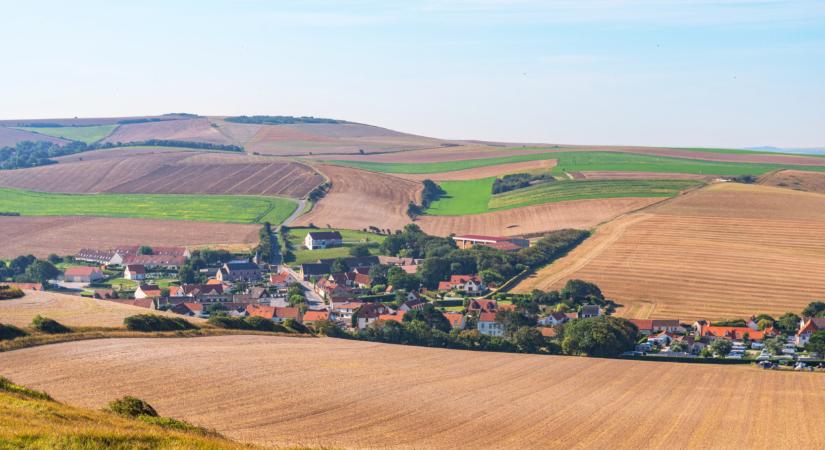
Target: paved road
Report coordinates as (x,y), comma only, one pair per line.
(315,302)
(296,213)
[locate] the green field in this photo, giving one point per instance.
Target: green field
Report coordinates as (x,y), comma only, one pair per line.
(351,238)
(83,134)
(474,196)
(572,161)
(208,208)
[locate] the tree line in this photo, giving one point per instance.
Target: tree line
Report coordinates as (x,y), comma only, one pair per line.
(280,120)
(519,181)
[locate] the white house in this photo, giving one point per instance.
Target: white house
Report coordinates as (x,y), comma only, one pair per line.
(807,326)
(487,324)
(134,272)
(323,239)
(470,284)
(556,318)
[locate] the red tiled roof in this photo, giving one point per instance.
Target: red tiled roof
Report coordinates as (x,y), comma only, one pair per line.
(454,318)
(547,331)
(487,317)
(391,317)
(813,324)
(482,305)
(315,316)
(271,312)
(80,271)
(278,278)
(735,332)
(349,305)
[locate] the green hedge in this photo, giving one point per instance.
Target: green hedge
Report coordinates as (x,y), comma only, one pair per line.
(152,322)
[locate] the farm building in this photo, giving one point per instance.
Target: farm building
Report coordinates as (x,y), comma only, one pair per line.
(119,255)
(153,261)
(82,274)
(323,239)
(135,272)
(650,326)
(239,271)
(508,244)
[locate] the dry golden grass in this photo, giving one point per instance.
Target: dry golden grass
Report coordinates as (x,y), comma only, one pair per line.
(581,214)
(796,179)
(350,394)
(483,172)
(71,310)
(729,250)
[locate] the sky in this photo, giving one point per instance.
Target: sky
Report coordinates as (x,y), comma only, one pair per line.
(731,73)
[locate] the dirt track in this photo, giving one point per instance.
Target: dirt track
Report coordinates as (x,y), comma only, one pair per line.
(335,393)
(42,236)
(725,251)
(359,199)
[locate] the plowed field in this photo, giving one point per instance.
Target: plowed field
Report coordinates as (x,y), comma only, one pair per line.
(283,391)
(42,236)
(581,214)
(796,179)
(726,251)
(194,130)
(483,172)
(359,199)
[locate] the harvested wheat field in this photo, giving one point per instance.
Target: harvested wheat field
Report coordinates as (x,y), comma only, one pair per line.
(795,179)
(726,251)
(10,136)
(41,236)
(580,214)
(483,172)
(193,130)
(359,199)
(443,154)
(161,170)
(349,394)
(70,310)
(614,175)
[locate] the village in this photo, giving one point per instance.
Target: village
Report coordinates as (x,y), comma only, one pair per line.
(353,293)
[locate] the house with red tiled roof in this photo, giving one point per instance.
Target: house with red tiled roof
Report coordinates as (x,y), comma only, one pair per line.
(553,319)
(190,309)
(482,305)
(704,330)
(547,331)
(392,317)
(345,310)
(456,319)
(807,327)
(134,272)
(82,274)
(311,317)
(275,313)
(201,293)
(469,284)
(147,291)
(488,325)
(280,280)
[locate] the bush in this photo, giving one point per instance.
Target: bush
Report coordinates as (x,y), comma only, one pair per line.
(261,324)
(8,292)
(600,336)
(178,425)
(7,386)
(8,332)
(132,407)
(294,325)
(50,326)
(152,322)
(231,323)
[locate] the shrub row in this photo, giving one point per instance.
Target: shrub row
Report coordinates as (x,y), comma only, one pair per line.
(152,322)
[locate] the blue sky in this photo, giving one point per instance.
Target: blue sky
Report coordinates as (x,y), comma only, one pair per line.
(732,73)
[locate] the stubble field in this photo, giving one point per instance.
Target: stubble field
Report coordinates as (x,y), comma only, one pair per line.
(796,179)
(725,251)
(349,394)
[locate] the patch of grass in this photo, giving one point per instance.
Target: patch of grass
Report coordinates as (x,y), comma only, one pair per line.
(586,189)
(208,208)
(351,238)
(463,197)
(446,166)
(88,134)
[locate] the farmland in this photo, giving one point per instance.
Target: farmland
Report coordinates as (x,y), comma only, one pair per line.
(193,130)
(212,208)
(87,134)
(360,199)
(796,179)
(350,237)
(474,196)
(728,250)
(44,235)
(444,166)
(455,399)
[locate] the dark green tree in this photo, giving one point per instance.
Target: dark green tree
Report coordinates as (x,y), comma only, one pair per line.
(599,336)
(359,250)
(429,315)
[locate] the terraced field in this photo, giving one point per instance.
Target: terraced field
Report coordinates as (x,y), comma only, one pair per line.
(271,394)
(212,208)
(725,251)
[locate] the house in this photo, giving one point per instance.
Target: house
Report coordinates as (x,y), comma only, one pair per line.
(554,319)
(201,293)
(311,317)
(807,327)
(466,241)
(240,271)
(274,313)
(82,274)
(651,326)
(392,317)
(135,272)
(105,294)
(190,309)
(362,281)
(323,239)
(487,324)
(409,305)
(370,312)
(547,332)
(589,311)
(408,265)
(662,339)
(255,294)
(456,320)
(315,270)
(709,332)
(168,262)
(147,291)
(344,311)
(147,303)
(469,284)
(280,280)
(94,255)
(482,305)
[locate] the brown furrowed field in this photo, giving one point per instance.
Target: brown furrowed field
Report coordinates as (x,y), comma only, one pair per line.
(729,250)
(795,179)
(483,172)
(167,171)
(441,154)
(10,136)
(580,214)
(341,138)
(359,199)
(42,236)
(193,130)
(282,391)
(606,175)
(70,310)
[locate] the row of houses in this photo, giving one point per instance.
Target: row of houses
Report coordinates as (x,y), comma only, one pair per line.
(166,257)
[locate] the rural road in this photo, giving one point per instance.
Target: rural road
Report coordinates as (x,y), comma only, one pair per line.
(301,204)
(315,302)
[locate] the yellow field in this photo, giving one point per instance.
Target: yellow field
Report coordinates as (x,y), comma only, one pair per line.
(70,310)
(729,250)
(345,394)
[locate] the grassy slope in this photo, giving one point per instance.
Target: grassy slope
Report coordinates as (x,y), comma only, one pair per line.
(28,419)
(302,255)
(209,208)
(474,196)
(595,160)
(84,134)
